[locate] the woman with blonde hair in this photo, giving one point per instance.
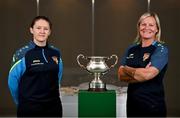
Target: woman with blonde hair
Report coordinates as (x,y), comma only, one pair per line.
(143,67)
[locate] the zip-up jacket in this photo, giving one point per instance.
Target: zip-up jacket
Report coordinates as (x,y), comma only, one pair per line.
(35,73)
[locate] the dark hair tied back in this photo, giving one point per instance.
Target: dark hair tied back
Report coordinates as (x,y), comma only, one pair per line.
(41,17)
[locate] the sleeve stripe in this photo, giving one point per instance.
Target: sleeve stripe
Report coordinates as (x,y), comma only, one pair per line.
(15,65)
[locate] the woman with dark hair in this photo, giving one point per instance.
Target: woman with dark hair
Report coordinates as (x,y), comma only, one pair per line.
(35,74)
(143,66)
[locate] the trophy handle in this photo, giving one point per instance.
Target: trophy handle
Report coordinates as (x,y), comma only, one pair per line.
(82,56)
(116,57)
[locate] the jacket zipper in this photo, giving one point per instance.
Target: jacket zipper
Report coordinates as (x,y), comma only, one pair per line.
(44,56)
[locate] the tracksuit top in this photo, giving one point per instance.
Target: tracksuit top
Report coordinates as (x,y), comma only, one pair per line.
(35,73)
(148,95)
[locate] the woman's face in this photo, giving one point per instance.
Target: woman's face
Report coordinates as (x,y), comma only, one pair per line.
(148,28)
(41,30)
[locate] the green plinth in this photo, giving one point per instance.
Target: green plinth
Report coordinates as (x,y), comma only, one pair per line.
(97,104)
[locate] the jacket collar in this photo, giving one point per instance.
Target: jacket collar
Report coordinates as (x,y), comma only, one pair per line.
(32,44)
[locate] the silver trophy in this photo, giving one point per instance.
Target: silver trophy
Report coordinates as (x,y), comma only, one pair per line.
(97,66)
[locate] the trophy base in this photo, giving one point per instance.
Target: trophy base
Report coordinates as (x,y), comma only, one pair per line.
(97,87)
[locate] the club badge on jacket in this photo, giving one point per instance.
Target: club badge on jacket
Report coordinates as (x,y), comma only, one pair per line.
(55,59)
(146,56)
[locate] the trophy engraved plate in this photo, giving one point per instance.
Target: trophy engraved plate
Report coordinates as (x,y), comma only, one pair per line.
(97,66)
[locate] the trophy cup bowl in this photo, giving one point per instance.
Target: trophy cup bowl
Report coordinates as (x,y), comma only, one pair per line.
(97,66)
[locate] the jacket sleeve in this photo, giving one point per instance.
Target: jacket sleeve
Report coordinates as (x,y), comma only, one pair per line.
(160,57)
(15,73)
(60,70)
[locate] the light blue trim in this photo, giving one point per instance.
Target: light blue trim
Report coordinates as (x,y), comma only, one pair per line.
(60,70)
(154,42)
(14,78)
(15,64)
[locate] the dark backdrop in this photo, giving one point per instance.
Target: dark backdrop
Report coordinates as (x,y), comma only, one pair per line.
(115,29)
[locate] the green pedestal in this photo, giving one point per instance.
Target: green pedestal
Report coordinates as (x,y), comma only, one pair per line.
(97,104)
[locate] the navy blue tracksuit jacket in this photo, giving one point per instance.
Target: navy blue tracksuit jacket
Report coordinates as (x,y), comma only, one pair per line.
(34,80)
